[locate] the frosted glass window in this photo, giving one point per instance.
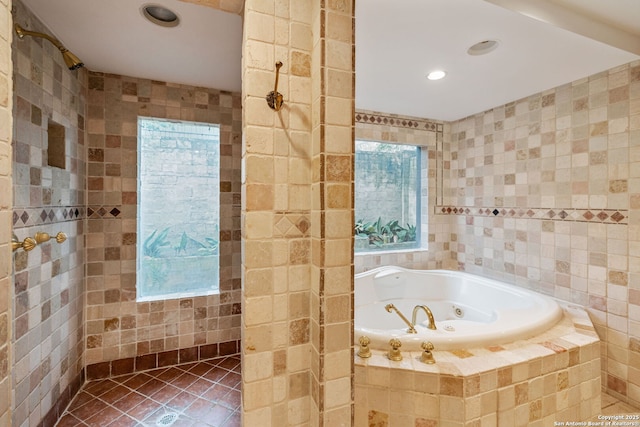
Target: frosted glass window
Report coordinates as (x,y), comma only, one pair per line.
(387,196)
(178,209)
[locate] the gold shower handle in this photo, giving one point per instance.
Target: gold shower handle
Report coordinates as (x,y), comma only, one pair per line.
(42,237)
(30,243)
(27,244)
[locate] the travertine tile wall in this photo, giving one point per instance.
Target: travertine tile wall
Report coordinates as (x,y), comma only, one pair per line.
(332,159)
(118,327)
(435,236)
(297,273)
(6,202)
(552,187)
(276,215)
(48,291)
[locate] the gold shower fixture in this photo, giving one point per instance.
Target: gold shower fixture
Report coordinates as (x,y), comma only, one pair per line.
(274,98)
(30,243)
(72,61)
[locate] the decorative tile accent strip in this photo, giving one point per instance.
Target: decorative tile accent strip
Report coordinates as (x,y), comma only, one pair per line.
(27,217)
(106,212)
(291,224)
(392,120)
(607,216)
(145,362)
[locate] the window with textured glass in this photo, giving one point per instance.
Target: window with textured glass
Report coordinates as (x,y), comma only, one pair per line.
(178,208)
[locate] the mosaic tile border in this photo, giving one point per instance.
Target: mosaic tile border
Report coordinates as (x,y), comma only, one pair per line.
(606,216)
(46,215)
(391,120)
(94,212)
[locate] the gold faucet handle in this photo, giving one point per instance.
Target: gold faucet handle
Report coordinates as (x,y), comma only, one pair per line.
(61,237)
(394,352)
(427,356)
(29,243)
(364,351)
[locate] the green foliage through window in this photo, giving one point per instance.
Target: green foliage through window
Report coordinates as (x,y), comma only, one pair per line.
(387,196)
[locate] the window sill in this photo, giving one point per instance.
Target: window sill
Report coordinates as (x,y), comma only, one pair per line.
(391,251)
(178,296)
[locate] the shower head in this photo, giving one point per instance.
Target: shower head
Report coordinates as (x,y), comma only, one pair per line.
(72,61)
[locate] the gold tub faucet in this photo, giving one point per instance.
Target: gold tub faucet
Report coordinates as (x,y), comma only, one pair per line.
(394,352)
(432,321)
(427,356)
(411,329)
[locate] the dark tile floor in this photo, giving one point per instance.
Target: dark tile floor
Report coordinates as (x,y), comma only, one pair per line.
(205,393)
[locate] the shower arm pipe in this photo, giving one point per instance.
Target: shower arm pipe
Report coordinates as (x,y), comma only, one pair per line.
(71,60)
(22,32)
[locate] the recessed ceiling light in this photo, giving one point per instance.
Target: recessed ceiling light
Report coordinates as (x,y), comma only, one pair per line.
(436,75)
(160,15)
(483,47)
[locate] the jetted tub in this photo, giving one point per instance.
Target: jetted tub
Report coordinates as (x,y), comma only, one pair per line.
(469,311)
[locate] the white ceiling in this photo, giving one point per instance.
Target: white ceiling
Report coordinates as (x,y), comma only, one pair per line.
(397,43)
(112,36)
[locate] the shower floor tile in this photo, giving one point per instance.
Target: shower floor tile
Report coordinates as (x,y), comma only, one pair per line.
(205,393)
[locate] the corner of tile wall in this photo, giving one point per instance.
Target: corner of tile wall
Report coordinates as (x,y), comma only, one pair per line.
(544,193)
(6,204)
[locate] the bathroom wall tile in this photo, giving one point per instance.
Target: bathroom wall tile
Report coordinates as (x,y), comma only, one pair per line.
(170,328)
(47,349)
(582,150)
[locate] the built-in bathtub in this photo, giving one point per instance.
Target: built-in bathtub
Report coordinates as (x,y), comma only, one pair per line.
(535,375)
(469,310)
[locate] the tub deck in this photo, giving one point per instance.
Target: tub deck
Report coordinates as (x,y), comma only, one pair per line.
(554,376)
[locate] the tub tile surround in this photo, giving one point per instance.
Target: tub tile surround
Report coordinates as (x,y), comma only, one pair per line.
(119,329)
(554,376)
(572,149)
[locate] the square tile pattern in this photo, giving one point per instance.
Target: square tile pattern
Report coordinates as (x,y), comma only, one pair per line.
(205,393)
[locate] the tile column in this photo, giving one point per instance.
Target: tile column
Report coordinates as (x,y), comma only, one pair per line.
(297,261)
(333,130)
(6,203)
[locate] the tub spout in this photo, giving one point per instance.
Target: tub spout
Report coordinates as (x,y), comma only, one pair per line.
(411,329)
(432,321)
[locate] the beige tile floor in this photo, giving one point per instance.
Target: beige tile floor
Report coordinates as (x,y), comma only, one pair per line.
(613,406)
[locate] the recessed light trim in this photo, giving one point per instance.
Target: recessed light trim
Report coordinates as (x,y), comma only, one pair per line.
(483,47)
(436,75)
(160,15)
